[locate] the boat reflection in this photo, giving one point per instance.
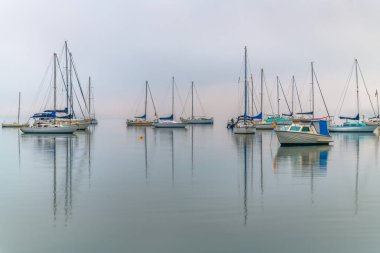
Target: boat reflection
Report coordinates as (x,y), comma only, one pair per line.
(69,157)
(305,161)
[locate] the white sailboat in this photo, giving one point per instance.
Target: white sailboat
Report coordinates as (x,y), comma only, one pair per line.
(16,124)
(143,120)
(245,125)
(354,124)
(306,132)
(47,124)
(196,119)
(169,122)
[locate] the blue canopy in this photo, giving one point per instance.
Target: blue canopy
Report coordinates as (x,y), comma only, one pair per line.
(357,117)
(44,115)
(171,117)
(323,129)
(141,117)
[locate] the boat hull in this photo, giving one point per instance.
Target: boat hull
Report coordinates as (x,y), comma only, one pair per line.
(13,125)
(49,130)
(198,121)
(139,123)
(352,129)
(244,130)
(264,126)
(169,125)
(287,138)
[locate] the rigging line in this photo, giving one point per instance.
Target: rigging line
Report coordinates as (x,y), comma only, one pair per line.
(269,94)
(77,77)
(253,93)
(154,106)
(187,97)
(320,91)
(136,102)
(256,97)
(343,96)
(284,95)
(80,107)
(34,104)
(179,95)
(64,83)
(365,85)
(298,96)
(200,101)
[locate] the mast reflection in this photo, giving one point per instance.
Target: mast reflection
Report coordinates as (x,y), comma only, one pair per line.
(63,154)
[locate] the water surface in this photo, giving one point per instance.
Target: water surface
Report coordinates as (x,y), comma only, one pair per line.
(203,189)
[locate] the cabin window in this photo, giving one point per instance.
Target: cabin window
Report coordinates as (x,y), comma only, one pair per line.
(306,129)
(295,128)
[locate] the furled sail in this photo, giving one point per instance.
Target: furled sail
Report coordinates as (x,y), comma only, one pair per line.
(171,117)
(350,118)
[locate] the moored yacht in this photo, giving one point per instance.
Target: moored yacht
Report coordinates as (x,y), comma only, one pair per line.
(304,133)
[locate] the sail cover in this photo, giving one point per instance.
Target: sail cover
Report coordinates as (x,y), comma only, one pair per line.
(288,114)
(171,117)
(350,118)
(258,116)
(141,117)
(44,115)
(305,113)
(66,110)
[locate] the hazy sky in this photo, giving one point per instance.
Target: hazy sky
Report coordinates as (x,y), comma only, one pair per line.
(123,43)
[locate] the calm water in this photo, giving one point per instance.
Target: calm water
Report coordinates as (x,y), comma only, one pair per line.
(118,189)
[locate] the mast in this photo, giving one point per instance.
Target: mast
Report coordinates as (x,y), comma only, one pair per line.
(18,114)
(357,85)
(312,88)
(245,85)
(252,113)
(293,82)
(55,84)
(146,98)
(377,99)
(89,96)
(261,89)
(71,86)
(173,99)
(192,100)
(278,98)
(67,75)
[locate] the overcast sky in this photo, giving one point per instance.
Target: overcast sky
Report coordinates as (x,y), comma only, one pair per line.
(123,43)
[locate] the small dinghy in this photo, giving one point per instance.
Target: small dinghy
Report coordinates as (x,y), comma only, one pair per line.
(304,133)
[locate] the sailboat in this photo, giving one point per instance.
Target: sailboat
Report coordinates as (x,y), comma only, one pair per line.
(169,122)
(46,123)
(196,119)
(375,121)
(309,131)
(353,124)
(16,124)
(244,124)
(262,124)
(143,120)
(68,115)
